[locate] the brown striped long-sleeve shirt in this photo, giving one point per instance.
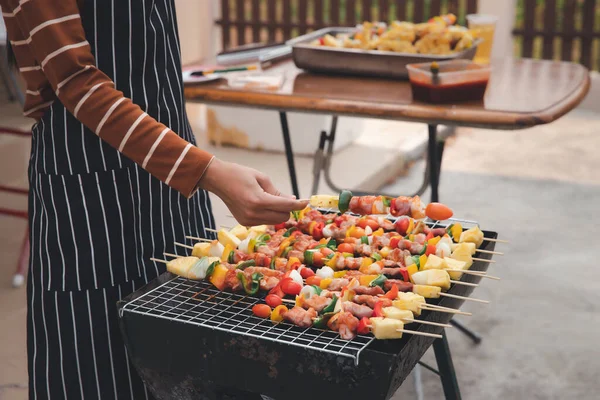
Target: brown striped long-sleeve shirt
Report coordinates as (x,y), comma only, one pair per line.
(56,61)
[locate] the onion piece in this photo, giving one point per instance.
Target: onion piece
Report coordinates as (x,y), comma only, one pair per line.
(325,272)
(296,277)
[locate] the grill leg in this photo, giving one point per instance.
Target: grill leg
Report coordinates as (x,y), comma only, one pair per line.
(475,337)
(446,368)
(288,152)
(434,159)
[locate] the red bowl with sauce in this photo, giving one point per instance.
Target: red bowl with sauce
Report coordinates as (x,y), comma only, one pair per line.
(456,81)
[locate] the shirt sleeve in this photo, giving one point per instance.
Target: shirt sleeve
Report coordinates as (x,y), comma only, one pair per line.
(54,33)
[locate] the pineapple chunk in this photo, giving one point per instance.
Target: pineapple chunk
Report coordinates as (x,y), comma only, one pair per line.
(464,255)
(239,231)
(182,265)
(432,277)
(429,292)
(396,313)
(409,301)
(227,238)
(473,235)
(259,229)
(324,201)
(434,262)
(456,264)
(386,328)
(467,247)
(201,250)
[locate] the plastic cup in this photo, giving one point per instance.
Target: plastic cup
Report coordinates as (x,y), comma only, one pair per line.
(483,27)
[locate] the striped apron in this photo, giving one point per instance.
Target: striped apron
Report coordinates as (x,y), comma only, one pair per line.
(96,218)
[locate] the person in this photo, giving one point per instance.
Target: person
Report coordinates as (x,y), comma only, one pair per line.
(115,179)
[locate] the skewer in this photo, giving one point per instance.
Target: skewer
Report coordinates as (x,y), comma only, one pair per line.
(184,245)
(491,252)
(225,227)
(419,333)
(432,307)
(496,240)
(211,230)
(483,260)
(476,273)
(408,321)
(464,298)
(171,255)
(199,239)
(159,260)
(463,283)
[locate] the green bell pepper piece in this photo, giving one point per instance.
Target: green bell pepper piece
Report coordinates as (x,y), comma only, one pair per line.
(318,290)
(331,305)
(211,269)
(321,321)
(376,256)
(308,257)
(364,239)
(251,287)
(379,281)
(245,264)
(231,257)
(344,201)
(289,231)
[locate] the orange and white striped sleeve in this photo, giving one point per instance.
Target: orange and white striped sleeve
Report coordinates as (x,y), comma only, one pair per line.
(53,33)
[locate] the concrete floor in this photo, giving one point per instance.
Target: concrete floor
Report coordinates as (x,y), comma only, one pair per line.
(534,187)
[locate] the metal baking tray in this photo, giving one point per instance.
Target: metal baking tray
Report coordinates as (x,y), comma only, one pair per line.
(376,63)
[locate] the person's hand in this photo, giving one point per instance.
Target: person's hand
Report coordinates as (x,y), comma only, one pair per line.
(249,194)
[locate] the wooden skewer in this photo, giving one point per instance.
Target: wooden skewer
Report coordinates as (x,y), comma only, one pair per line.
(226,227)
(464,298)
(171,255)
(159,260)
(211,230)
(444,310)
(419,333)
(496,240)
(408,321)
(184,245)
(491,252)
(483,259)
(198,239)
(463,283)
(476,273)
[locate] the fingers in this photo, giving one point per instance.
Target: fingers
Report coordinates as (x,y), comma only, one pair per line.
(269,217)
(284,204)
(266,184)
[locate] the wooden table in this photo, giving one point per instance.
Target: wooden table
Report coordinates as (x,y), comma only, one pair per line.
(521,94)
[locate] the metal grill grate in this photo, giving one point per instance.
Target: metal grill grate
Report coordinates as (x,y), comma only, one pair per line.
(199,303)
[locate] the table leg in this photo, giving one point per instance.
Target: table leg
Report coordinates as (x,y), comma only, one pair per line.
(289,153)
(446,368)
(434,161)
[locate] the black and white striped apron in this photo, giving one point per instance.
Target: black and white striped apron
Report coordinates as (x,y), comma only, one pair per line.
(96,218)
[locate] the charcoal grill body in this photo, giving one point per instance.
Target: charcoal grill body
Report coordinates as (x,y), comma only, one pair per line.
(179,360)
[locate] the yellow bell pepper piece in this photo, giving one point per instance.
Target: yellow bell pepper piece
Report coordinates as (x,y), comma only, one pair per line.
(384,252)
(277,314)
(365,280)
(456,230)
(331,263)
(411,237)
(284,245)
(299,301)
(218,276)
(228,249)
(366,261)
(292,261)
(412,269)
(378,232)
(350,231)
(339,274)
(422,260)
(434,240)
(325,283)
(411,226)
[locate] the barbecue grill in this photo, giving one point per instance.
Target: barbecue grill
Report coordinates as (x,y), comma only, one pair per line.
(204,342)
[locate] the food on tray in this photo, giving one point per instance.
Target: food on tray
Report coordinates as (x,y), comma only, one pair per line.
(437,36)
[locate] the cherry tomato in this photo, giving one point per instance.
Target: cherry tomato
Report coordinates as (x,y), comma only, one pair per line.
(351,240)
(364,222)
(338,221)
(318,259)
(325,251)
(306,272)
(273,300)
(288,286)
(266,262)
(438,211)
(401,225)
(345,248)
(318,230)
(313,280)
(279,226)
(261,310)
